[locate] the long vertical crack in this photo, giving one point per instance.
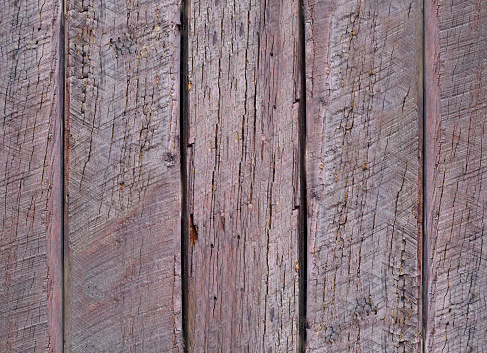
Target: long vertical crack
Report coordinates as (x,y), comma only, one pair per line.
(303,215)
(63,154)
(424,240)
(183,142)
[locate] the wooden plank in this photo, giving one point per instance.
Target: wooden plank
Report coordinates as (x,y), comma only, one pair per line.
(363,172)
(243,184)
(456,188)
(30,177)
(123,288)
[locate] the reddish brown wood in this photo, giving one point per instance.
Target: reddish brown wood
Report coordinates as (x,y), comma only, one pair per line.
(243,162)
(363,175)
(456,188)
(123,290)
(30,177)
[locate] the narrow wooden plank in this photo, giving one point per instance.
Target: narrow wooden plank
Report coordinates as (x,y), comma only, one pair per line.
(123,289)
(30,177)
(363,171)
(243,185)
(456,175)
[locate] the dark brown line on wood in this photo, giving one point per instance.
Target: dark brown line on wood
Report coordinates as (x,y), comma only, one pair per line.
(183,145)
(303,214)
(62,104)
(65,180)
(424,242)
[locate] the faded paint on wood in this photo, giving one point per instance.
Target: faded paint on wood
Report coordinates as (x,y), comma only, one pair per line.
(456,186)
(30,172)
(243,183)
(363,175)
(123,289)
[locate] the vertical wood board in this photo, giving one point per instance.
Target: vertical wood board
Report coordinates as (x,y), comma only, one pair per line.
(363,88)
(456,186)
(30,177)
(243,183)
(123,282)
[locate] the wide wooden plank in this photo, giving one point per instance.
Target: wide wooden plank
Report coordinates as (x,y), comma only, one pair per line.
(363,169)
(456,175)
(123,285)
(30,177)
(243,183)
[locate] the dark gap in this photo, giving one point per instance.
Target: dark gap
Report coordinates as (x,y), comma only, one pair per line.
(183,145)
(62,103)
(424,243)
(303,214)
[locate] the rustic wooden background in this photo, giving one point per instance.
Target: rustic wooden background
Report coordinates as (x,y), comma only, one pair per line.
(246,176)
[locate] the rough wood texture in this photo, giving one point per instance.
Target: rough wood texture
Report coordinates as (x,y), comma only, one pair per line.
(30,171)
(456,174)
(123,288)
(363,175)
(244,89)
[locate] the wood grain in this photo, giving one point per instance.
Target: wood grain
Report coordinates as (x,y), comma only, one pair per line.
(243,184)
(30,177)
(363,169)
(456,186)
(123,285)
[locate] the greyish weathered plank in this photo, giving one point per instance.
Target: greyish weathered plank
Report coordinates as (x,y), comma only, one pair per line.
(244,89)
(456,175)
(123,290)
(30,177)
(363,175)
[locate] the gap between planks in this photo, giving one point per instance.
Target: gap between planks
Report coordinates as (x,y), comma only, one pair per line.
(423,312)
(183,120)
(64,99)
(303,212)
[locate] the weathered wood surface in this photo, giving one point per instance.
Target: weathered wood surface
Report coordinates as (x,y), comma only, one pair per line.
(456,175)
(30,171)
(363,175)
(123,182)
(243,184)
(123,289)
